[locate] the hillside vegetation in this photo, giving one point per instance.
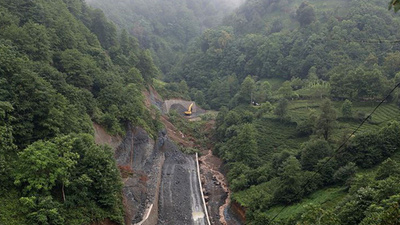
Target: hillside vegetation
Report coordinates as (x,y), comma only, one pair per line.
(62,66)
(166,27)
(292,80)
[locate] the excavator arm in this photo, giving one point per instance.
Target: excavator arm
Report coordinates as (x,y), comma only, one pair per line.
(189,111)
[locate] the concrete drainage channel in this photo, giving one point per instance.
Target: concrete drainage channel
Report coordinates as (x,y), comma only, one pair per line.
(172,202)
(181,200)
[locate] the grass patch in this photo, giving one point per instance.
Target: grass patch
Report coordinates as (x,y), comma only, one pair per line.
(327,198)
(274,135)
(298,110)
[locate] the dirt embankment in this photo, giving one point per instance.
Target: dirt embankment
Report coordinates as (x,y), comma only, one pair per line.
(216,190)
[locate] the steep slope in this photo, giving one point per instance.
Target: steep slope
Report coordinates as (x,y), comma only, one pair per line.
(61,67)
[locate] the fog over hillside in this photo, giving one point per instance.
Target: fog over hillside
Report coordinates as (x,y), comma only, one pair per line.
(166,27)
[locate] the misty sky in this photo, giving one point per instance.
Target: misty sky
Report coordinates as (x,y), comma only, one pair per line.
(235,3)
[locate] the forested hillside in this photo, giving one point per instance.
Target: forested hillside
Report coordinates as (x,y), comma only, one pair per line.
(292,80)
(325,47)
(63,66)
(166,27)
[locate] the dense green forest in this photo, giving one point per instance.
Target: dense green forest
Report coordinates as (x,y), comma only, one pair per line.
(325,50)
(166,27)
(291,81)
(62,66)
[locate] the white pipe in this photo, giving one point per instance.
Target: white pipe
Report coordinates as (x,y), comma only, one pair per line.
(201,189)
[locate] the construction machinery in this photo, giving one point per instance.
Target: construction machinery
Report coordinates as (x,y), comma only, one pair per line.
(189,111)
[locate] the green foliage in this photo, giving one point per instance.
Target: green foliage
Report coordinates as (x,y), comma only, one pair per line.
(12,211)
(327,168)
(62,66)
(246,90)
(265,108)
(312,152)
(244,147)
(258,195)
(387,168)
(290,189)
(326,121)
(41,164)
(395,4)
(344,173)
(281,108)
(43,210)
(370,148)
(359,83)
(327,198)
(352,211)
(261,39)
(262,91)
(286,90)
(316,215)
(146,67)
(189,150)
(385,213)
(167,28)
(347,109)
(305,14)
(307,127)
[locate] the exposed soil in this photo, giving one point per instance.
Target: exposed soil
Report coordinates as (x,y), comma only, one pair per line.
(177,136)
(216,190)
(153,98)
(103,138)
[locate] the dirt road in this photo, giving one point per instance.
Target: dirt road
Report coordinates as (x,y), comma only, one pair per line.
(180,199)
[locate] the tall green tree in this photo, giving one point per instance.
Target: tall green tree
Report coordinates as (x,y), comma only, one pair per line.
(313,151)
(347,111)
(246,93)
(326,121)
(243,148)
(43,164)
(281,109)
(305,14)
(146,67)
(289,189)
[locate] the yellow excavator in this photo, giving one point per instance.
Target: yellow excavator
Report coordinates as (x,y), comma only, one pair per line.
(189,111)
